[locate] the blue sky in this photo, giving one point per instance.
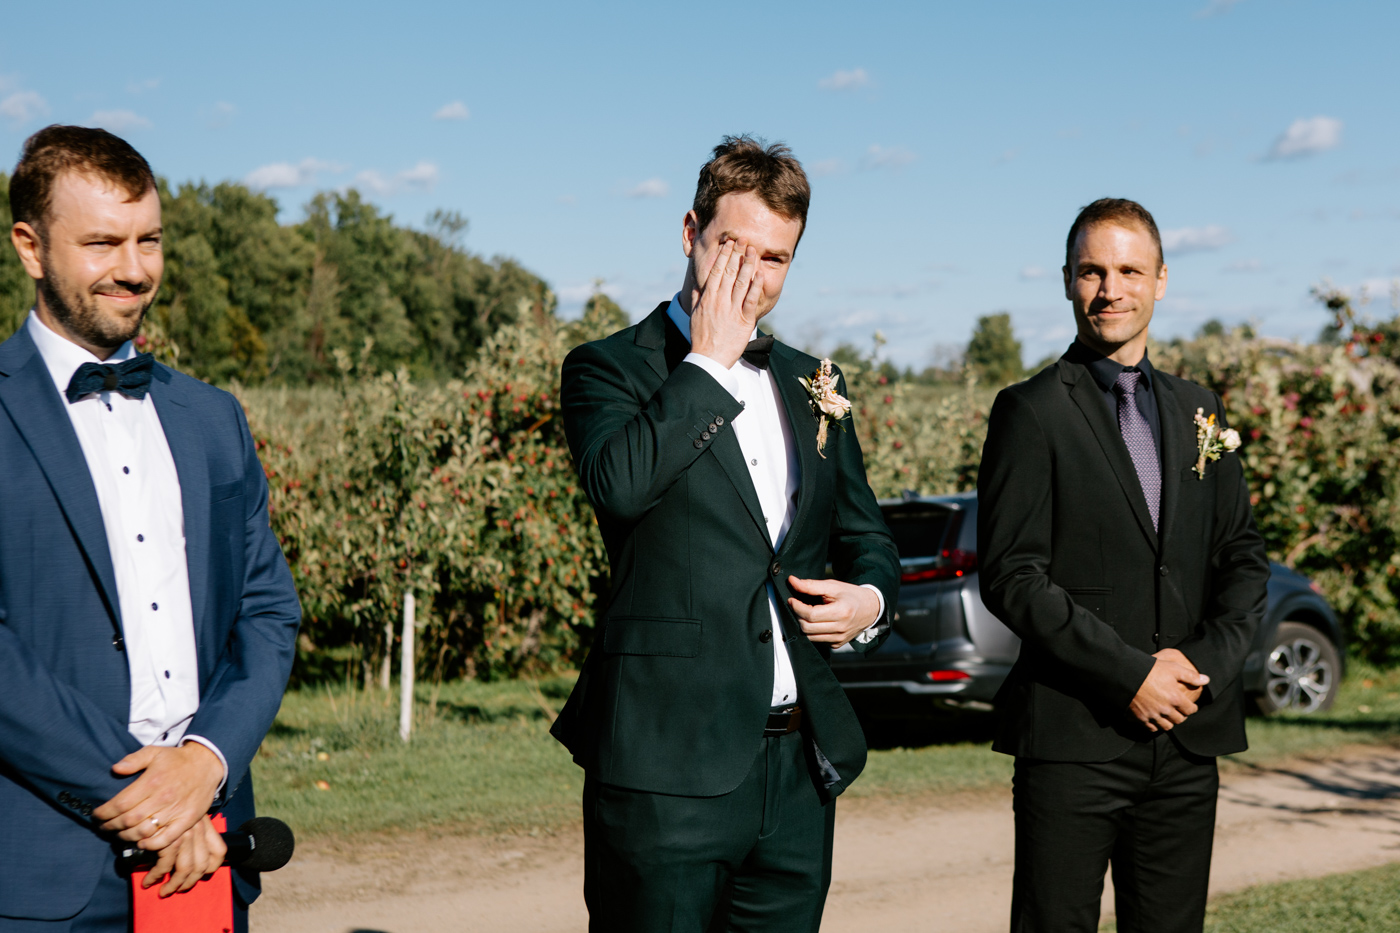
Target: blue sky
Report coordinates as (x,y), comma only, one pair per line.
(950,143)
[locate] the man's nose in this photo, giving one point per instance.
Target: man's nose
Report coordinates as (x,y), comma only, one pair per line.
(1111,287)
(130,268)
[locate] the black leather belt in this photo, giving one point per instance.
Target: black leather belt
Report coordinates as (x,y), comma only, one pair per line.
(782,721)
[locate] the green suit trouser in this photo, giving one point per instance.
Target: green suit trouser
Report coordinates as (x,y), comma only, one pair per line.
(754,860)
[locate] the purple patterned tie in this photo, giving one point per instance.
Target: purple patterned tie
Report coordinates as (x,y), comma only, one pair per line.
(1138,436)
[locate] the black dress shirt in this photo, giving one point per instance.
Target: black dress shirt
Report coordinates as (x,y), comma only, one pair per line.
(1105,372)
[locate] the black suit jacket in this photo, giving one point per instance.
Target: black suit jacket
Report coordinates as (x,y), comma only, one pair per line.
(1070,561)
(675,694)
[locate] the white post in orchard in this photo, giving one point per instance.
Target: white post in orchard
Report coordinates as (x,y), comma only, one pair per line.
(406,676)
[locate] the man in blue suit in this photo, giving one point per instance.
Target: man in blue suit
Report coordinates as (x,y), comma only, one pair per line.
(147,616)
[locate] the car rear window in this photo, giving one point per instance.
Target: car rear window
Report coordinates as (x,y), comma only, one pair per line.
(918,528)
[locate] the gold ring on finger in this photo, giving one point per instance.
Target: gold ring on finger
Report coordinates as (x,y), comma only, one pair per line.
(155,821)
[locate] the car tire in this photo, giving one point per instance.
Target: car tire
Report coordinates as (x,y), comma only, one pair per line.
(1302,672)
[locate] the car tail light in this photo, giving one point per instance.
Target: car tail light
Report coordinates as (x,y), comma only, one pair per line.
(945,676)
(952,564)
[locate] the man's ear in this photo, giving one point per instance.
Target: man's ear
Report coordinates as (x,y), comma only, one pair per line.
(26,241)
(1065,270)
(690,232)
(1161,283)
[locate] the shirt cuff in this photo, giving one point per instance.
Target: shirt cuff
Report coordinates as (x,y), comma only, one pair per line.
(215,749)
(716,369)
(867,636)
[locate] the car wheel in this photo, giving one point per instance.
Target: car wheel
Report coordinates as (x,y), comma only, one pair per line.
(1302,671)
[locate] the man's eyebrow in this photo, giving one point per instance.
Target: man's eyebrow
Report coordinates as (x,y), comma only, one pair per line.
(731,235)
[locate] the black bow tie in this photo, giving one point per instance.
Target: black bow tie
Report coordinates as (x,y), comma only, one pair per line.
(758,351)
(132,378)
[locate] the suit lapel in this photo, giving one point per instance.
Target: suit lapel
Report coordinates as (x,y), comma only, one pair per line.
(1177,435)
(1089,398)
(667,348)
(36,409)
(183,435)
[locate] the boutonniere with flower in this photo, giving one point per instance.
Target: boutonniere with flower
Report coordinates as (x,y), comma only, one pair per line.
(1212,441)
(828,405)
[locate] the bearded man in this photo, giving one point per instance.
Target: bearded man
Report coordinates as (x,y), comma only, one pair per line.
(1116,539)
(726,476)
(147,617)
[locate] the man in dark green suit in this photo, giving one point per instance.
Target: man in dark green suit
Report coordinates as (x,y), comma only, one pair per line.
(714,735)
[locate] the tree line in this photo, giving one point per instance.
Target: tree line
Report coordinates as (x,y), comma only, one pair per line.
(249,299)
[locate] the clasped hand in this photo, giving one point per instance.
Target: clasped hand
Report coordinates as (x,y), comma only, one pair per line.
(1169,693)
(724,305)
(845,611)
(165,810)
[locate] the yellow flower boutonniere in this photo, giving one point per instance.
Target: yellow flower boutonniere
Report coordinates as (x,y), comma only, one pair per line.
(1212,441)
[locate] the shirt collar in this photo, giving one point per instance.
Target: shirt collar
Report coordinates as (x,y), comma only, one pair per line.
(682,320)
(1106,371)
(63,357)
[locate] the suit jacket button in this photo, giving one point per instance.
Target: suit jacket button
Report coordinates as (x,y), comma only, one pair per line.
(713,427)
(1156,638)
(699,444)
(118,643)
(777,569)
(719,421)
(1162,571)
(766,635)
(704,435)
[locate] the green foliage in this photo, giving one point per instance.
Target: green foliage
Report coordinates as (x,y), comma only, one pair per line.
(251,300)
(462,491)
(1320,424)
(994,353)
(16,287)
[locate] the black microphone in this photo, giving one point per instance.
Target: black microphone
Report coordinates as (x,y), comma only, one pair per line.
(261,844)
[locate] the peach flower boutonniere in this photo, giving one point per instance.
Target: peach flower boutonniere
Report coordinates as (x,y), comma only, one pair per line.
(827,404)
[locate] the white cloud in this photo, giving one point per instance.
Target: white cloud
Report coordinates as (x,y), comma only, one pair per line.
(453,111)
(221,114)
(1031,273)
(23,106)
(1305,137)
(894,157)
(651,188)
(422,176)
(287,175)
(827,167)
(1195,239)
(119,121)
(845,80)
(1216,8)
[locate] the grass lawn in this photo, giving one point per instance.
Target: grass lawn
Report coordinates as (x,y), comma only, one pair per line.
(481,759)
(1349,903)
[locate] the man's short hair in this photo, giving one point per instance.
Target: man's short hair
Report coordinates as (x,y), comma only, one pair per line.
(1118,211)
(57,149)
(742,163)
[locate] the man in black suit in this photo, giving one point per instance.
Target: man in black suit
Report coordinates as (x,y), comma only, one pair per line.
(1131,568)
(714,735)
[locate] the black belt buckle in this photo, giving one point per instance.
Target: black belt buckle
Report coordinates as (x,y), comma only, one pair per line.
(783,721)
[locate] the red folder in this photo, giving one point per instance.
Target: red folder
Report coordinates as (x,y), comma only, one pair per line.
(205,908)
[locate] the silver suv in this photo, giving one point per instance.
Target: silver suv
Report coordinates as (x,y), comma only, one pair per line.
(948,652)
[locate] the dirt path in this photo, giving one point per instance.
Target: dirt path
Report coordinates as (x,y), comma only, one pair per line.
(940,865)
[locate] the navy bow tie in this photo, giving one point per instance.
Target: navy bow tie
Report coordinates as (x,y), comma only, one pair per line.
(758,351)
(132,378)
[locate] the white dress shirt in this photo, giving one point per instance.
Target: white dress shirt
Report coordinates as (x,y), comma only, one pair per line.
(765,438)
(138,490)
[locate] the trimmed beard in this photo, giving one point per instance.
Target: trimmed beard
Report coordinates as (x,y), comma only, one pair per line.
(81,317)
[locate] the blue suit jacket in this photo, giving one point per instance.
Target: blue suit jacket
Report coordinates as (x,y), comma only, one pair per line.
(65,692)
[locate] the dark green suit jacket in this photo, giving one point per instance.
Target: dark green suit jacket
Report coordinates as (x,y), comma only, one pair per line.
(1071,562)
(675,695)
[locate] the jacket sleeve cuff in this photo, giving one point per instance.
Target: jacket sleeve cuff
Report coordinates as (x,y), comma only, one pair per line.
(223,782)
(716,369)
